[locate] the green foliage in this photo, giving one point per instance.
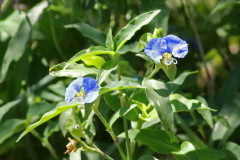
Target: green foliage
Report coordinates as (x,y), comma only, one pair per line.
(145,110)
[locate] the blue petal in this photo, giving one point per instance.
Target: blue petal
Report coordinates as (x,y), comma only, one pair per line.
(74,87)
(156,48)
(176,46)
(91,89)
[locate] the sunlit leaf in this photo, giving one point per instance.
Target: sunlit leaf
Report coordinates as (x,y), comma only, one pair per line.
(75,155)
(189,152)
(5,108)
(121,112)
(109,41)
(61,107)
(134,25)
(180,103)
(112,86)
(234,149)
(96,61)
(105,71)
(73,70)
(160,100)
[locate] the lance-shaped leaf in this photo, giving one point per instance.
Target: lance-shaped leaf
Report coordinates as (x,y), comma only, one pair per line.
(173,85)
(88,31)
(134,25)
(96,61)
(5,108)
(180,103)
(121,112)
(109,41)
(159,98)
(61,107)
(91,51)
(112,86)
(17,45)
(105,71)
(73,70)
(157,140)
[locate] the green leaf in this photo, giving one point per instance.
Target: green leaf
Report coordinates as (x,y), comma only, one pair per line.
(96,61)
(184,149)
(112,101)
(188,152)
(75,155)
(234,149)
(147,157)
(10,24)
(169,70)
(109,41)
(112,86)
(9,127)
(50,129)
(91,51)
(144,39)
(206,114)
(88,31)
(105,71)
(132,133)
(230,112)
(121,112)
(134,25)
(68,121)
(17,45)
(209,154)
(180,103)
(157,140)
(157,32)
(173,85)
(61,107)
(5,108)
(37,109)
(73,70)
(160,101)
(223,4)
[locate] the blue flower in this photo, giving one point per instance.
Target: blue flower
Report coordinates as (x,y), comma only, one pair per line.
(164,48)
(83,90)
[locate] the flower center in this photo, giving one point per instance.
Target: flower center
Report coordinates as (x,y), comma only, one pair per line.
(80,96)
(168,60)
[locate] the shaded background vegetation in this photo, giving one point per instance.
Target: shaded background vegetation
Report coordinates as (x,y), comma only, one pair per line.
(30,45)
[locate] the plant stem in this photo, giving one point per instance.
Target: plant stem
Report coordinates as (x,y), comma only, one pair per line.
(45,143)
(94,148)
(156,69)
(110,131)
(194,138)
(123,104)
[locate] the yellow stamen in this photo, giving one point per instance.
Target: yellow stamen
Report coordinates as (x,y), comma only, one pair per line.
(80,94)
(167,55)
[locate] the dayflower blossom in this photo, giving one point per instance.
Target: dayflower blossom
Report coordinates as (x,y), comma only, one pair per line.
(83,90)
(164,48)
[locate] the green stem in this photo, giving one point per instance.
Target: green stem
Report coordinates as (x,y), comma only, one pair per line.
(45,143)
(99,151)
(194,138)
(156,69)
(110,131)
(123,104)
